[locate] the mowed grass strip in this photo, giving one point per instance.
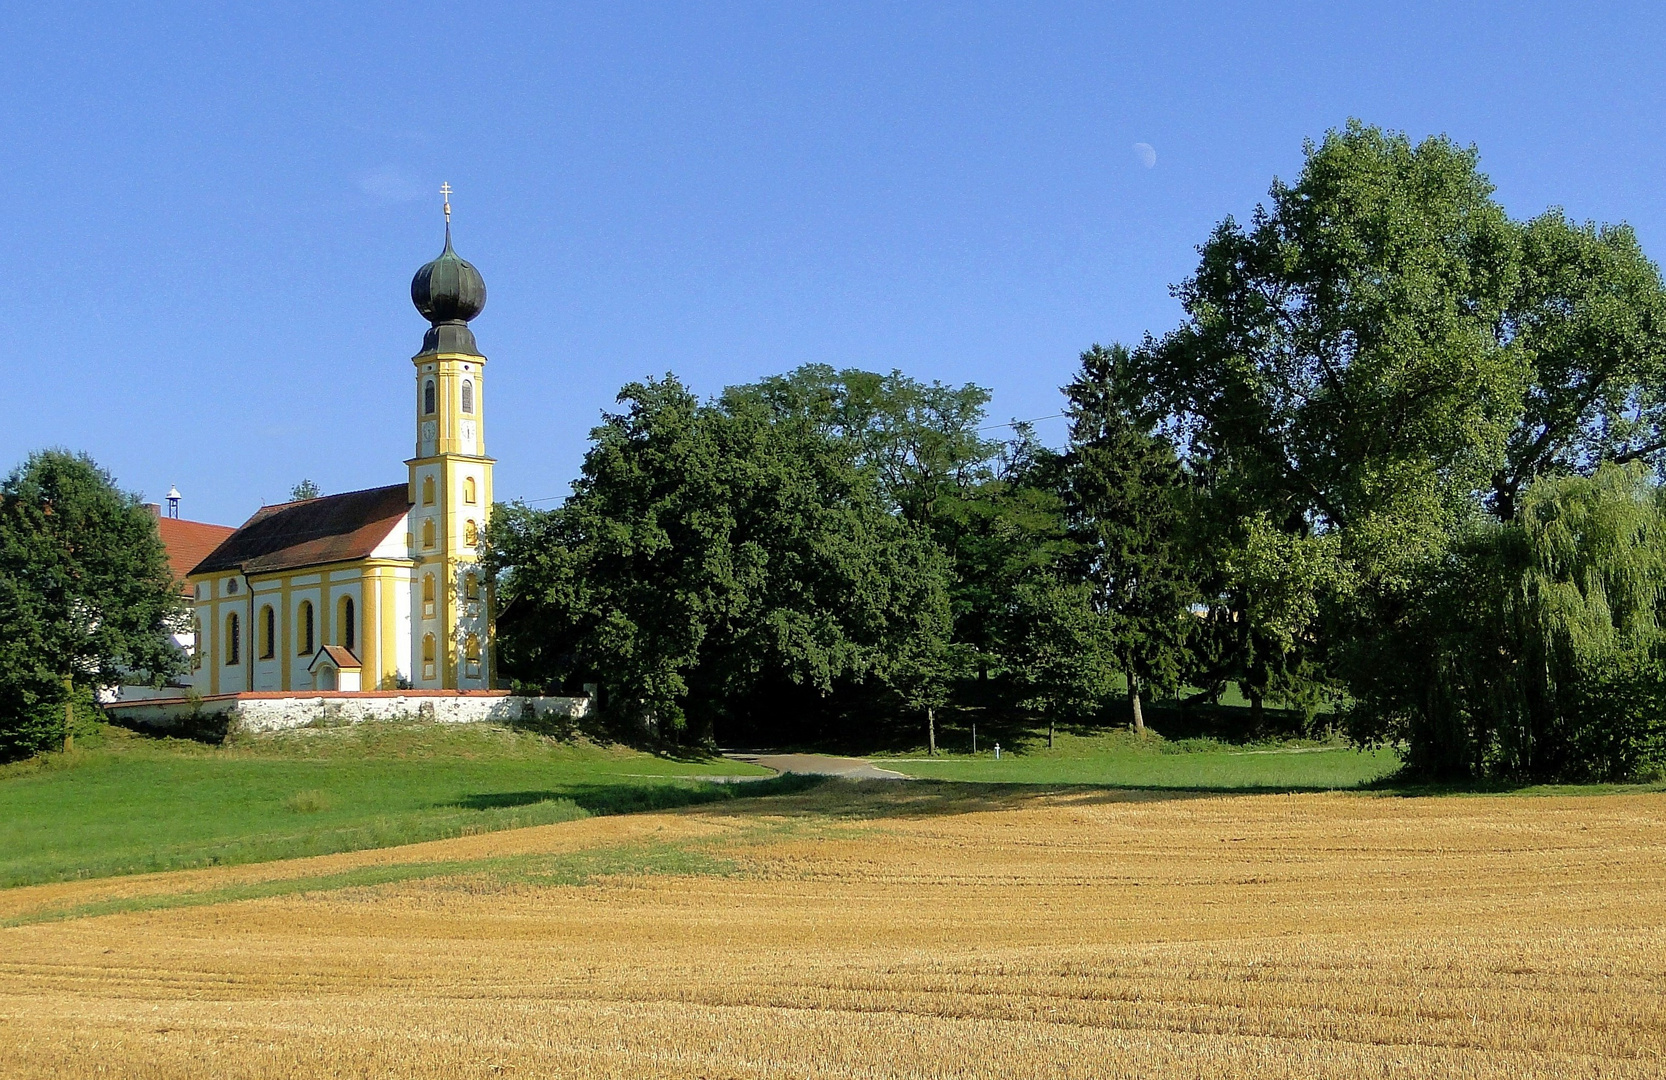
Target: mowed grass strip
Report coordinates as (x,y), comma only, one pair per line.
(126,804)
(1121,759)
(475,875)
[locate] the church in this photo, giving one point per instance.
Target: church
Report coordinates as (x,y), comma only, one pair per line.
(377,589)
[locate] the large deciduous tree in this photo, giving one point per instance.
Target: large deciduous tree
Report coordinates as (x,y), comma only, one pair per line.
(707,551)
(86,596)
(1341,385)
(1589,313)
(1377,365)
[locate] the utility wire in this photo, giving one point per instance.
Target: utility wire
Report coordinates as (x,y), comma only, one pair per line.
(1015,423)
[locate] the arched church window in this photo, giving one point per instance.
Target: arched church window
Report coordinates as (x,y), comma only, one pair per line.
(304,632)
(428,491)
(234,639)
(428,533)
(471,586)
(468,395)
(471,532)
(428,656)
(428,596)
(428,397)
(345,619)
(471,657)
(268,633)
(468,489)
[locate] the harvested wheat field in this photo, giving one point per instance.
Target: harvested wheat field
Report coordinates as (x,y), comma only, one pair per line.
(885,931)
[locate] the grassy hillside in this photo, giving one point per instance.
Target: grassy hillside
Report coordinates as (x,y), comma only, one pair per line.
(1119,759)
(122,803)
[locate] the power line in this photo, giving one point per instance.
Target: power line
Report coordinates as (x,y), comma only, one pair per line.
(1015,423)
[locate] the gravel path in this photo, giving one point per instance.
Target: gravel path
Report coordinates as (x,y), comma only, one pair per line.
(817,765)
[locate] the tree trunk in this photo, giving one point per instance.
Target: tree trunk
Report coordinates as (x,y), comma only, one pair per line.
(69,715)
(931,731)
(1049,733)
(1134,702)
(1258,713)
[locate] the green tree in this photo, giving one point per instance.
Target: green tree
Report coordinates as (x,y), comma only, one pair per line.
(86,596)
(1590,313)
(1068,650)
(303,491)
(921,440)
(1126,493)
(707,552)
(993,507)
(1341,387)
(1534,650)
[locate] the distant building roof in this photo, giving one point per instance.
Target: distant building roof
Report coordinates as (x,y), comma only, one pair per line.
(188,542)
(332,528)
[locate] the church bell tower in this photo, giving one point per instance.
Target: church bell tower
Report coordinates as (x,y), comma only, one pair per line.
(451,480)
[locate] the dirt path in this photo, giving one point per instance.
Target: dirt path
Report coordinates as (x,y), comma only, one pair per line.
(818,765)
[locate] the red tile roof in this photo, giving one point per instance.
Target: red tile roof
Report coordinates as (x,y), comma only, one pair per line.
(289,536)
(339,655)
(188,542)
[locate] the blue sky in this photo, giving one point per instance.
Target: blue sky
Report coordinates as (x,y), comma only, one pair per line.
(212,215)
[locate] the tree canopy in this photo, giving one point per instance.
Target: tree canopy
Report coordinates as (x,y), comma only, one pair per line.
(86,596)
(710,552)
(1397,466)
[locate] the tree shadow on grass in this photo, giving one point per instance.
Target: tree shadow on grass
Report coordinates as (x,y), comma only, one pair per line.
(604,799)
(794,795)
(874,800)
(1402,786)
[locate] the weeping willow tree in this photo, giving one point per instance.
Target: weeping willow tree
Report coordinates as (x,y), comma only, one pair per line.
(1533,651)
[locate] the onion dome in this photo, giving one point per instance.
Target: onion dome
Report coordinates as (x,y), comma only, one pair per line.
(449,292)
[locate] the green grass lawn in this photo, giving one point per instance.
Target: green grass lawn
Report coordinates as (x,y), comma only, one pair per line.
(1118,759)
(122,803)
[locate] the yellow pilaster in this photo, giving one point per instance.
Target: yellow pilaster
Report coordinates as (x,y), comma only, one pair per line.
(389,632)
(286,644)
(213,659)
(369,635)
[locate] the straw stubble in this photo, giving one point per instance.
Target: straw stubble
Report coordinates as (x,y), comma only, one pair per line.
(911,932)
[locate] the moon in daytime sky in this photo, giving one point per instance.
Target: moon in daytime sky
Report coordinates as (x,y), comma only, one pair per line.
(1145,153)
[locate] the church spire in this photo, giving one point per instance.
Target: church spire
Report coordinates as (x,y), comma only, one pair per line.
(449,292)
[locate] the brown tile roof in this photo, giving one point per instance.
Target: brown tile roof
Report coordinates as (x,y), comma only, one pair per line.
(189,542)
(332,528)
(339,655)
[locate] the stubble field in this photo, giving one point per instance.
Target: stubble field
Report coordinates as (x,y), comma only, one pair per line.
(902,930)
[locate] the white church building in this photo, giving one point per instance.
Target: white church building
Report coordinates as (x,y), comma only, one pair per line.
(373,590)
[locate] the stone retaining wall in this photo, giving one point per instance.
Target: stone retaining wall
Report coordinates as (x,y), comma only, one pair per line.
(278,712)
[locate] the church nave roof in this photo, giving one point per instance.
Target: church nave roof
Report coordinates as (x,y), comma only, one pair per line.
(312,532)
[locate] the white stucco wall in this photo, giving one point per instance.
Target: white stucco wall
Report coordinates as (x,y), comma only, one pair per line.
(296,710)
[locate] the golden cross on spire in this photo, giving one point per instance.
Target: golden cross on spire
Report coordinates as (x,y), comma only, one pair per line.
(445,193)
